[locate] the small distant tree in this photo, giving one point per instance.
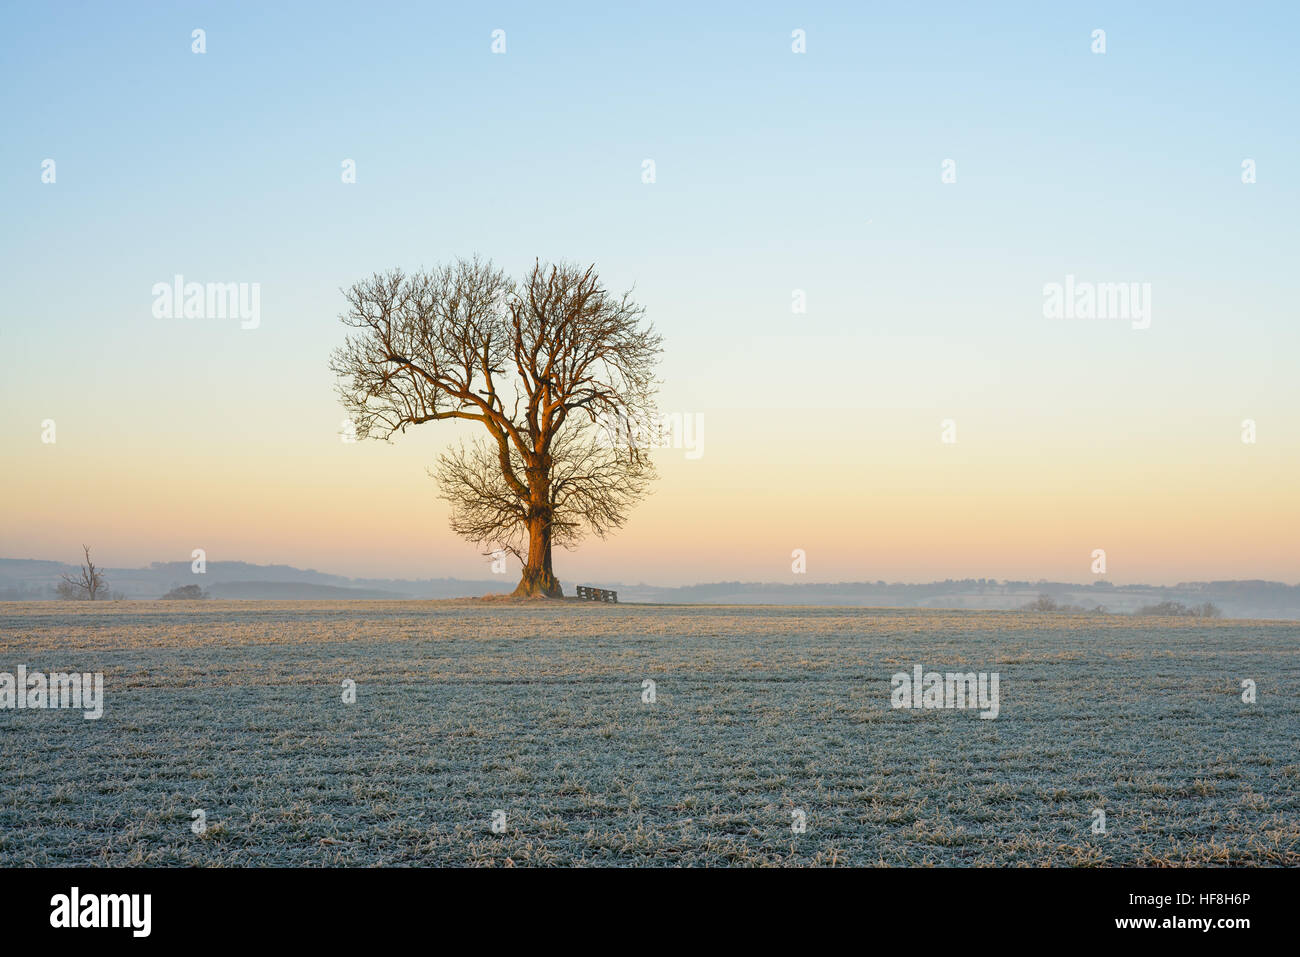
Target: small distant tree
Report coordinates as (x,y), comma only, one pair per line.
(185,593)
(1163,609)
(1046,603)
(1176,609)
(87,585)
(1043,603)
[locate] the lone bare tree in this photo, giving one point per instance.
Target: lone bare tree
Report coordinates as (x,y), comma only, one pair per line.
(87,584)
(543,365)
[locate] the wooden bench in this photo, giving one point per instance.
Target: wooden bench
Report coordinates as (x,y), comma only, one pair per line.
(587,593)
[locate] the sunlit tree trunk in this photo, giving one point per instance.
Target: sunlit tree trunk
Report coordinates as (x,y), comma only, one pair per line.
(538,578)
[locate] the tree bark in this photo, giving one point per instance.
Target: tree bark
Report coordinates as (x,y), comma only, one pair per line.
(538,579)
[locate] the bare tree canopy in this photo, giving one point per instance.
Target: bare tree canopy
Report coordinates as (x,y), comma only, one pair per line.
(87,584)
(537,364)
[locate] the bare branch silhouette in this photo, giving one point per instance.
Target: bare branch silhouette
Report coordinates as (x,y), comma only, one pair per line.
(88,584)
(536,365)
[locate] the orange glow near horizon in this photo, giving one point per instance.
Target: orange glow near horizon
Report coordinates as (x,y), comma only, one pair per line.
(901,506)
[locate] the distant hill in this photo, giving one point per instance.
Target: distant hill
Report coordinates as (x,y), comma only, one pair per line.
(33,580)
(296,591)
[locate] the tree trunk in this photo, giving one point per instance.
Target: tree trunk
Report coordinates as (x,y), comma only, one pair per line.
(538,579)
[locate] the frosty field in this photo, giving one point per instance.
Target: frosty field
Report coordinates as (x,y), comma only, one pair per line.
(467,708)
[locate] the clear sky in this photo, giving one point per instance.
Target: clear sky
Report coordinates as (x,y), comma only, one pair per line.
(775,171)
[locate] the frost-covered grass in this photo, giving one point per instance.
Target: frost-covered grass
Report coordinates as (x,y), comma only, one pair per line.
(464,708)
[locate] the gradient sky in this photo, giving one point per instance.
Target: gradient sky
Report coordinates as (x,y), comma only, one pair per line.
(775,172)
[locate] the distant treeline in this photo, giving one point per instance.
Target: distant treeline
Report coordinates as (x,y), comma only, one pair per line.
(1168,609)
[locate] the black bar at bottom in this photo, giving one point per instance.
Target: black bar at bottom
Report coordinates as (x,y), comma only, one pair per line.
(335,906)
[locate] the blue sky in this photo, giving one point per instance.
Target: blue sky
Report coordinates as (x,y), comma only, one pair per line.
(775,171)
